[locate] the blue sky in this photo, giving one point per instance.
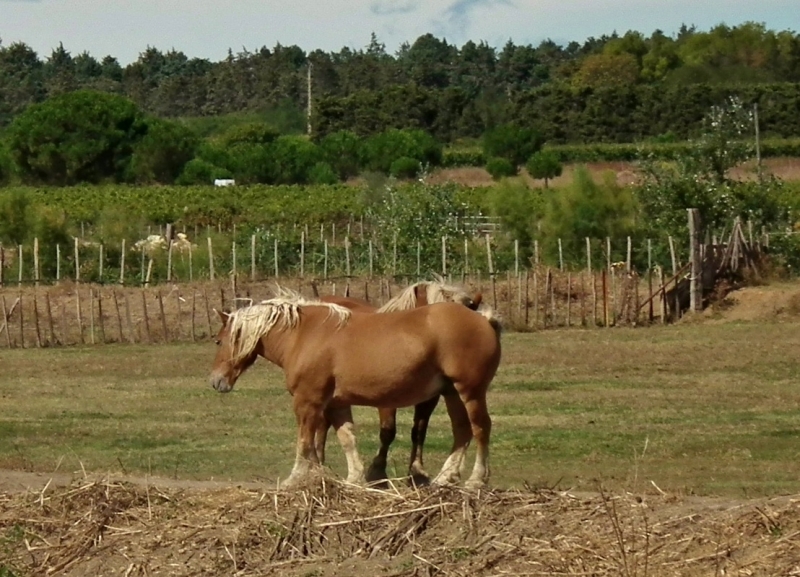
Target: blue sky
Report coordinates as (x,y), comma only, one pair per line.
(124,28)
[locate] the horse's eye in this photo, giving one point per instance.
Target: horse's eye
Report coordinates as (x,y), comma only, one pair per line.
(216,342)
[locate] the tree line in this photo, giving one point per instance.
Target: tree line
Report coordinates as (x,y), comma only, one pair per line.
(609,88)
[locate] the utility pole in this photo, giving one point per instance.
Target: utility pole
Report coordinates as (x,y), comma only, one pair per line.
(308,86)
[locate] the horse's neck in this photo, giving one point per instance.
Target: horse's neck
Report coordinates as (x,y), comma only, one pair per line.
(274,346)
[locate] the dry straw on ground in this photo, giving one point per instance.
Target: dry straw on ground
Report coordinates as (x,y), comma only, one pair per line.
(109,527)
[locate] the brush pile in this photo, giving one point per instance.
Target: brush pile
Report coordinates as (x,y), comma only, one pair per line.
(106,527)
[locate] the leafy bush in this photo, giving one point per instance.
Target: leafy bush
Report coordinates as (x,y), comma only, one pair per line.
(162,153)
(16,217)
(544,164)
(587,209)
(293,158)
(82,136)
(382,149)
(519,209)
(512,142)
(342,150)
(455,157)
(199,171)
(250,133)
(500,167)
(322,173)
(404,167)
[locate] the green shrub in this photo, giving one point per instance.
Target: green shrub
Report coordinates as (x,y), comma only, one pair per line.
(342,150)
(81,136)
(514,143)
(322,173)
(500,167)
(162,153)
(381,150)
(199,171)
(293,158)
(404,167)
(544,165)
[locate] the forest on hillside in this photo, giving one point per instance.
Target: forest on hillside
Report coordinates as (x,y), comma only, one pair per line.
(615,88)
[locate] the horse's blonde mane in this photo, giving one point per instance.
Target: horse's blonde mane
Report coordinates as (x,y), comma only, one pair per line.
(248,325)
(436,291)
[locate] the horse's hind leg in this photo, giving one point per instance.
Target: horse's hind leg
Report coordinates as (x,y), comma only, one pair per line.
(422,415)
(377,470)
(342,421)
(462,435)
(321,437)
(481,429)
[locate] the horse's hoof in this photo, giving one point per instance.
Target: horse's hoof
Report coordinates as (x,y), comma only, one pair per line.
(473,485)
(419,480)
(376,475)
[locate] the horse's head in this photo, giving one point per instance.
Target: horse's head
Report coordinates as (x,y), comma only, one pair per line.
(434,292)
(227,366)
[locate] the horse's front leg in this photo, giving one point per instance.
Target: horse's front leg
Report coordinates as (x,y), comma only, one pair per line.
(422,416)
(309,414)
(321,437)
(342,421)
(377,470)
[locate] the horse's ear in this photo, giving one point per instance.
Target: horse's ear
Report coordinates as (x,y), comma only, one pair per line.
(223,316)
(476,302)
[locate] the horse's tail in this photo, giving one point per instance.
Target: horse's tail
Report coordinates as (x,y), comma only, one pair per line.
(492,316)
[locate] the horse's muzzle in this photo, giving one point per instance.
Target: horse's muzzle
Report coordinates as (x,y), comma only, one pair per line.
(220,383)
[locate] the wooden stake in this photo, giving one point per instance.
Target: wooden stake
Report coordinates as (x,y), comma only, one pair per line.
(120,334)
(100,315)
(583,299)
(21,321)
(194,307)
(628,257)
(180,314)
(169,260)
(594,299)
(36,262)
(560,256)
(491,270)
(128,321)
(695,280)
(233,257)
(347,255)
(444,257)
(91,315)
(146,318)
(100,265)
(275,250)
(325,261)
(36,321)
(149,272)
(6,320)
(121,269)
(302,254)
(19,262)
(208,312)
(253,258)
(163,317)
(210,259)
(569,299)
(535,299)
(370,259)
(77,262)
(58,265)
(50,326)
(80,315)
(191,271)
(605,298)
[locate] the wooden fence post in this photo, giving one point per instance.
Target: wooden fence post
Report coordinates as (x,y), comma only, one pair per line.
(210,259)
(695,280)
(122,268)
(77,261)
(36,262)
(253,259)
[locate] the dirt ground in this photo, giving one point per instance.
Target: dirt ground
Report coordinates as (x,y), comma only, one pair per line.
(106,526)
(74,524)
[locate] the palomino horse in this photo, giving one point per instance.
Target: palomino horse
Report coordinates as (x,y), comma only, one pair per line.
(417,295)
(334,358)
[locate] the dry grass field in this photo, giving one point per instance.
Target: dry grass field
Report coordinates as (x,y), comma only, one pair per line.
(659,451)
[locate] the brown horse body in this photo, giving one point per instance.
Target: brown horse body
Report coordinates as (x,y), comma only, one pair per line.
(404,358)
(417,295)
